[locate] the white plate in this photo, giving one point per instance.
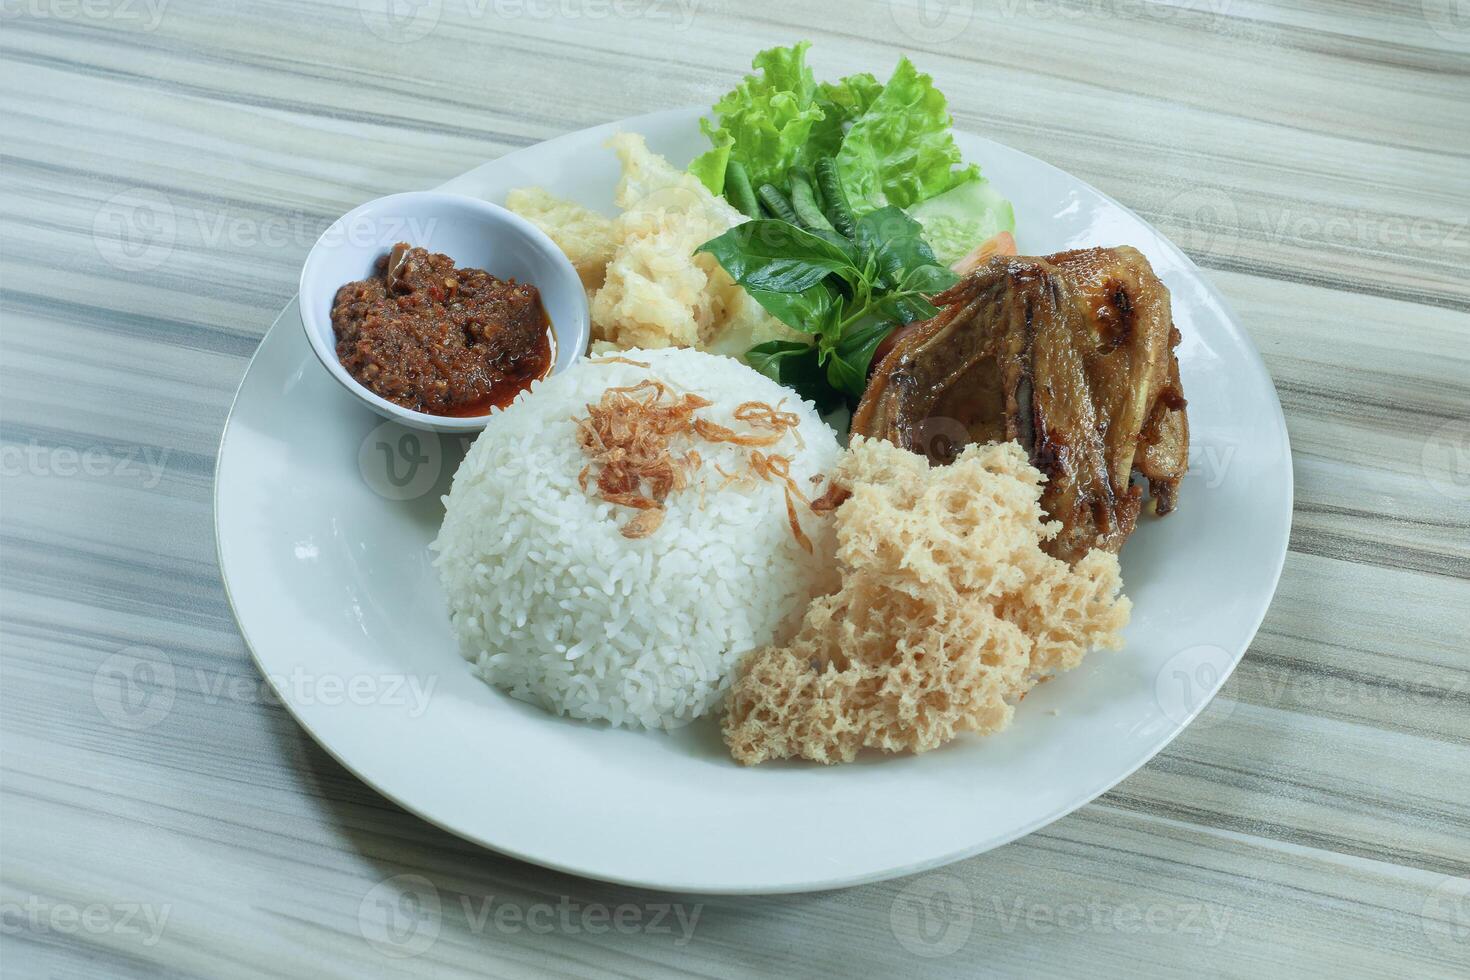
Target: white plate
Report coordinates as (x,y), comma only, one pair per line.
(330,579)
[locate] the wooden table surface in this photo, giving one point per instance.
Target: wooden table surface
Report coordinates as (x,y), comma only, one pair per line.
(167,166)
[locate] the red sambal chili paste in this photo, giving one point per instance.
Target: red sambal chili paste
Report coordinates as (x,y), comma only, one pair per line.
(438,339)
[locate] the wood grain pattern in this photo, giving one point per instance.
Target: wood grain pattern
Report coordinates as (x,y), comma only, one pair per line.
(1314,157)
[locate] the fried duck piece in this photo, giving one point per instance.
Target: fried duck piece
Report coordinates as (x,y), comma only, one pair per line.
(1072,355)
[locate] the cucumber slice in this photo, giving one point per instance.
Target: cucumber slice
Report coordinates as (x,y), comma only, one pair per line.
(959,219)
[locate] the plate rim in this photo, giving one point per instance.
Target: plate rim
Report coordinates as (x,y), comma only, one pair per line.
(1287,504)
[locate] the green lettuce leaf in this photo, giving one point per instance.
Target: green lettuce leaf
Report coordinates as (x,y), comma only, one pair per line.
(841,104)
(710,165)
(767,120)
(900,150)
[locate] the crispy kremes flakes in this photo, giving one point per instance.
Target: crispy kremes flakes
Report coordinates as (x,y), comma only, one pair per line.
(948,613)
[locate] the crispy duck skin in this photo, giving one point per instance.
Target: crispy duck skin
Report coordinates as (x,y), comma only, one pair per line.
(1070,354)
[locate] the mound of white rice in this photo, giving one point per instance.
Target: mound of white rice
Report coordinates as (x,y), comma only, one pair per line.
(552,603)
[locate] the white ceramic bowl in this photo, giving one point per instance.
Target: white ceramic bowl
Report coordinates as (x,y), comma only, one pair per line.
(475,234)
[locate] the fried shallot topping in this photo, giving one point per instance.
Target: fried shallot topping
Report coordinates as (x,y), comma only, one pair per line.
(801,538)
(644,523)
(627,437)
(715,432)
(779,468)
(835,497)
(764,416)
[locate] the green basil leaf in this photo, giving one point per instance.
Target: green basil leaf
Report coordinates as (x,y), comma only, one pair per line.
(812,310)
(894,242)
(768,358)
(858,345)
(820,392)
(866,335)
(785,276)
(845,377)
(778,256)
(796,366)
(928,280)
(914,308)
(906,307)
